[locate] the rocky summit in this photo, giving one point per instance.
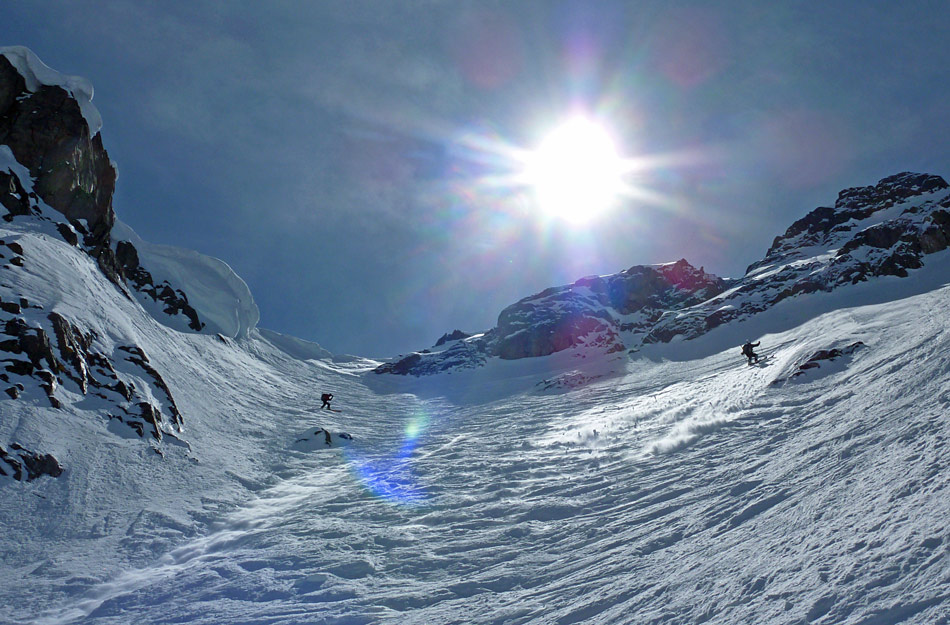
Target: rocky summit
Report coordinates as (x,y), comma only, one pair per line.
(886,229)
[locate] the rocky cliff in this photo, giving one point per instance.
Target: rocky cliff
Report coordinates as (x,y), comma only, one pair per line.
(56,186)
(51,129)
(882,230)
(48,134)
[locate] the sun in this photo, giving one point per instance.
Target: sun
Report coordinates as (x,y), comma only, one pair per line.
(575,172)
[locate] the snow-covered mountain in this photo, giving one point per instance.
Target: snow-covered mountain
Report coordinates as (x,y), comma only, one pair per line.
(163,460)
(881,230)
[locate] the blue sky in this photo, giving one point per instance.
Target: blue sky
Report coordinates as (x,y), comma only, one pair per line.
(328,151)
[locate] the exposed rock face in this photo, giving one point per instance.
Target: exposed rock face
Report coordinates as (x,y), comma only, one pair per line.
(47,133)
(138,357)
(881,230)
(70,170)
(592,313)
(175,300)
(455,335)
(13,196)
(52,352)
(19,463)
(826,226)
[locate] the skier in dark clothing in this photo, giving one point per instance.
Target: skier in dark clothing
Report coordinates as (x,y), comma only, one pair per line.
(748,353)
(325,398)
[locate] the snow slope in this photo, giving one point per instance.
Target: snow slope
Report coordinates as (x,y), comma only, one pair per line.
(221,297)
(678,487)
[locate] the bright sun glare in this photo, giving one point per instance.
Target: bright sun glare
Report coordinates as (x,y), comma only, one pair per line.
(575,172)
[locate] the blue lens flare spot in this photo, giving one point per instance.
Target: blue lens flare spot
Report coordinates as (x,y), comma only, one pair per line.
(389,475)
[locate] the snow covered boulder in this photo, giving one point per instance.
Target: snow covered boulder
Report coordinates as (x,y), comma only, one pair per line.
(321,438)
(841,357)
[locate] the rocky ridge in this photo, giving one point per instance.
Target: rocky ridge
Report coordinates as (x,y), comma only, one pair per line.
(56,179)
(882,230)
(885,229)
(596,312)
(45,353)
(66,168)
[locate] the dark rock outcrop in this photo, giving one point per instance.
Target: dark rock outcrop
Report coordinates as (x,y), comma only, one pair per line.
(822,356)
(830,355)
(138,357)
(455,335)
(73,359)
(20,462)
(882,230)
(594,313)
(175,300)
(72,173)
(824,225)
(47,133)
(322,438)
(13,196)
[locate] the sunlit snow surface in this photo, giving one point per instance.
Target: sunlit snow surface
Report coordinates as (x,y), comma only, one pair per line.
(689,487)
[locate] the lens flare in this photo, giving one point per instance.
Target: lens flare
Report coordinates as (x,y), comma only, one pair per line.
(414,427)
(576,173)
(389,476)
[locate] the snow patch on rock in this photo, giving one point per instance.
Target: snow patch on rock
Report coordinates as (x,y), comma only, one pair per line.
(36,74)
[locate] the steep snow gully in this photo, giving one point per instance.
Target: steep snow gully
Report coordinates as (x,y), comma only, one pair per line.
(679,491)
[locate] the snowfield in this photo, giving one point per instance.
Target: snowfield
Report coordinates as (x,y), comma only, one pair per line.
(676,486)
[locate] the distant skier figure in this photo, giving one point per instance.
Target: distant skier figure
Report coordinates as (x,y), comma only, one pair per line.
(326,397)
(748,353)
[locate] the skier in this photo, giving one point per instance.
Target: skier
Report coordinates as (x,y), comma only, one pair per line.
(748,353)
(325,398)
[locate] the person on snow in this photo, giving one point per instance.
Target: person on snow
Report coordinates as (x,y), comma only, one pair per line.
(748,353)
(325,398)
